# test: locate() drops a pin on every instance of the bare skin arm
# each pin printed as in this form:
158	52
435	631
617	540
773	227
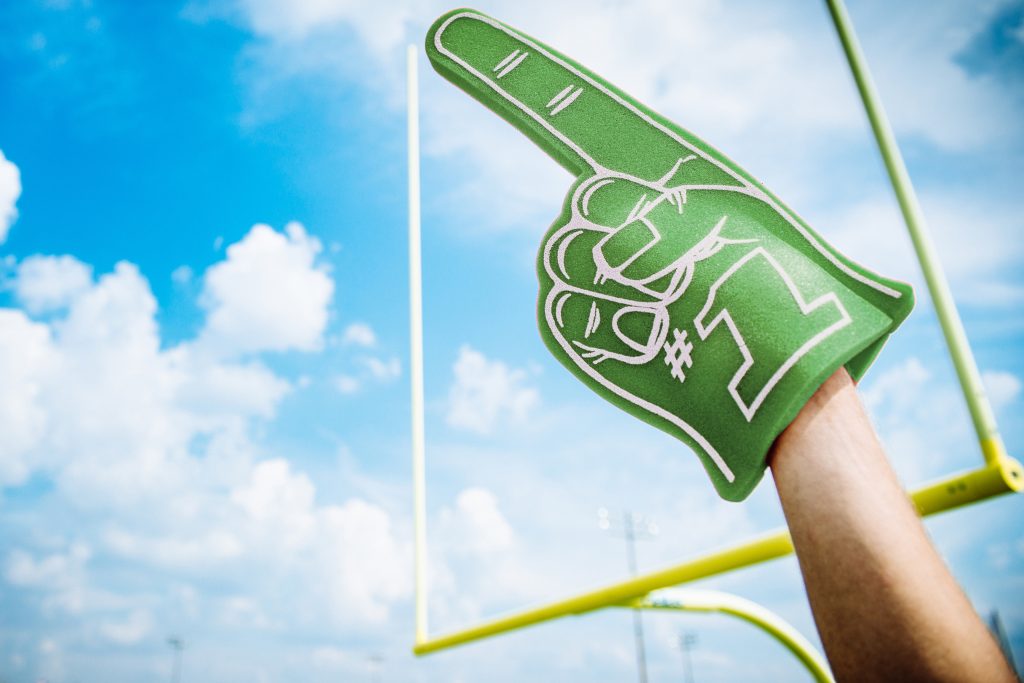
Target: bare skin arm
885	605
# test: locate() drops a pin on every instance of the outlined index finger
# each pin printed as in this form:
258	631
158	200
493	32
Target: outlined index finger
584	123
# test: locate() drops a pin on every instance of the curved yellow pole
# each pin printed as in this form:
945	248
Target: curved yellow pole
751	612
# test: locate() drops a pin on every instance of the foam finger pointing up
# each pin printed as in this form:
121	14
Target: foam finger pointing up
584	123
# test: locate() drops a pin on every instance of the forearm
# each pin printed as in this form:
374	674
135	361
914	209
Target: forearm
884	603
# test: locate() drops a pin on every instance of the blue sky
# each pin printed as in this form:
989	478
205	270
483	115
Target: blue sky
203	329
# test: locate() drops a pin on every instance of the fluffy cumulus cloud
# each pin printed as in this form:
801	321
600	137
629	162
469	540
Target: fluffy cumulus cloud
487	392
268	295
351	550
364	565
158	447
478	561
359	334
46	283
478	523
58	579
10	190
26	364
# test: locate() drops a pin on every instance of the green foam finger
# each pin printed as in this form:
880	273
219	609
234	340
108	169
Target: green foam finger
583	122
673	284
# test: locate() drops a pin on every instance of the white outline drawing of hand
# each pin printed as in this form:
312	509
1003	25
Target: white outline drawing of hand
651	251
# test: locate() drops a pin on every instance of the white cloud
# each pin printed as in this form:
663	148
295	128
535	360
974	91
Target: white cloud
1003	387
49	572
110	401
268	295
276	496
46	283
921	419
26	362
898	388
60	577
479	562
157	447
371	370
478	524
351	549
379	26
129	630
486	392
92	397
383	370
872	233
346	385
366	566
198	550
182	275
10	190
359	334
218	389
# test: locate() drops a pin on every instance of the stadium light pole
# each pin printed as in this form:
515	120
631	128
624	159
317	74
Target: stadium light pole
632	527
685	643
375	661
177	645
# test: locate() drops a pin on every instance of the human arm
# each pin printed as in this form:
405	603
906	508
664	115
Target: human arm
886	606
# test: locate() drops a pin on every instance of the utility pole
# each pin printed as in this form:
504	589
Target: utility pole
633	527
177	644
685	643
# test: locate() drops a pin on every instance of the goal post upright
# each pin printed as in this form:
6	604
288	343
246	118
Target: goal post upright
978	405
416	348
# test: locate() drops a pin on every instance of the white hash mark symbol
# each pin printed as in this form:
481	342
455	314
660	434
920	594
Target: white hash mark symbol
677	354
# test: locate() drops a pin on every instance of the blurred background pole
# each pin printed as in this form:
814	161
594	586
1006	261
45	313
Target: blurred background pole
177	645
633	526
638	624
375	662
685	644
